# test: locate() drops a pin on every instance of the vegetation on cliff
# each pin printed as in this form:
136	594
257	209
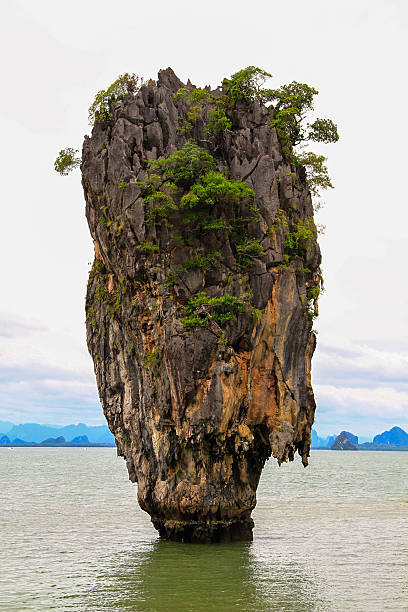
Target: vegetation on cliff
66	161
189	185
292	103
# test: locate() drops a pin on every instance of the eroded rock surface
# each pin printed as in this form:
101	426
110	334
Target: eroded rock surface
197	412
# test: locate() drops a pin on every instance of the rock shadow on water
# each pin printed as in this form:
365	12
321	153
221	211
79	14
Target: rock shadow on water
172	577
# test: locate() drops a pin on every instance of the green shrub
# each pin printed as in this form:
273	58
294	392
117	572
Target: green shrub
185	128
223	340
203	262
251	248
215	225
248	250
181	94
323	130
194	320
66	161
151	358
196	100
256	315
214	188
218	122
150	185
200	95
313	293
148	247
171	281
202	309
119	227
185	166
279	224
246	85
317	175
292	103
162	206
187	182
298	241
100	109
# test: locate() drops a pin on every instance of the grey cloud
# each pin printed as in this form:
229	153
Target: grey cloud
10	327
360	387
37	372
337	350
360	366
63	412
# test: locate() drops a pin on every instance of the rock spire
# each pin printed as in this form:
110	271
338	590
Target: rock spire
200	301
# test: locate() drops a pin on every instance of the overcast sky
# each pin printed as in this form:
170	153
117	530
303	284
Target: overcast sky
56	56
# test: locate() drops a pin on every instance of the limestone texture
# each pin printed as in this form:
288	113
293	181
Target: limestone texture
197	411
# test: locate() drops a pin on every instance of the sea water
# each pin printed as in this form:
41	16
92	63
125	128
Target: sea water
333	536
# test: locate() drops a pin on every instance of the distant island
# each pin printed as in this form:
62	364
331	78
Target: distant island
345	441
394	439
34	434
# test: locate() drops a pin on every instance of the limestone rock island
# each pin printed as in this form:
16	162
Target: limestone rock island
200	300
345	441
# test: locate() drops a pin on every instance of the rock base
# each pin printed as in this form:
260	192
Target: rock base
205	532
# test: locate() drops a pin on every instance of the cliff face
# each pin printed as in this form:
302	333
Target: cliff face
197	408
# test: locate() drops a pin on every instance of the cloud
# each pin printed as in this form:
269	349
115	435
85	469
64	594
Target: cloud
354	364
12	326
28	373
45	376
31	347
380	402
50	401
360	387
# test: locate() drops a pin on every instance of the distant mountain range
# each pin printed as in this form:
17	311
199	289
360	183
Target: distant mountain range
34	432
100	434
395	437
318	442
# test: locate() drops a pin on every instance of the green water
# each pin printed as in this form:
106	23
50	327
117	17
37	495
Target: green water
331	537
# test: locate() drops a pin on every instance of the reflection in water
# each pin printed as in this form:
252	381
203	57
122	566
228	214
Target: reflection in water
169	576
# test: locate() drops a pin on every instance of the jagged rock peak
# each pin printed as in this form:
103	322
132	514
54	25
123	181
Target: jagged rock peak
167	78
199	302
